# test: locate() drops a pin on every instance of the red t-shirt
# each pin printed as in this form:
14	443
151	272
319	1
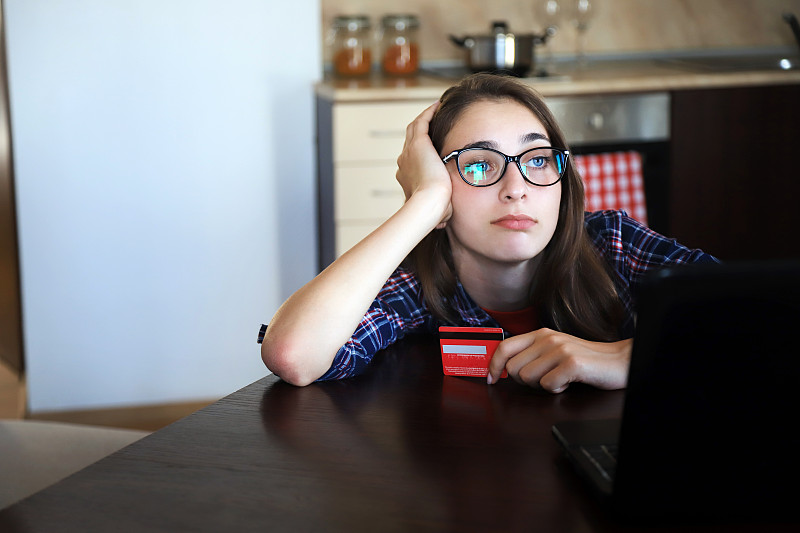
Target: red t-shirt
516	322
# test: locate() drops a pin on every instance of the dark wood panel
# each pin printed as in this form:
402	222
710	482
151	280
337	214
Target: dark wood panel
735	182
11	346
326	224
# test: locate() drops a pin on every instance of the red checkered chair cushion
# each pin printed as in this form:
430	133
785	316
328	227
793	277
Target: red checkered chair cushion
614	181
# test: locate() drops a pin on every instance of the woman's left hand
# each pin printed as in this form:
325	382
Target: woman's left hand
552	360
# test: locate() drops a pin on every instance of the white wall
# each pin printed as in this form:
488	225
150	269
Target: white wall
165	190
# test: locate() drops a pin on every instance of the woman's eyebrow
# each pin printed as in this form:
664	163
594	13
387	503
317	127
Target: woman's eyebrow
482	144
530	137
524	139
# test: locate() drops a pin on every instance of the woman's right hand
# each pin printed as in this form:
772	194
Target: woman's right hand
420	168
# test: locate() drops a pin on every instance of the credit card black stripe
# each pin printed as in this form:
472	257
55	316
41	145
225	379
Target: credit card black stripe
471	336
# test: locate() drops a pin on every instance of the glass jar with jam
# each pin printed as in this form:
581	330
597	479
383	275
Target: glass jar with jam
399	48
352	54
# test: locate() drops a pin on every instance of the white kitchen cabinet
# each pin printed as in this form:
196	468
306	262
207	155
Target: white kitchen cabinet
359	143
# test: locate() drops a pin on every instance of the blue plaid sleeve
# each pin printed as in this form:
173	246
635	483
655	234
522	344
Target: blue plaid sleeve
632	250
396	310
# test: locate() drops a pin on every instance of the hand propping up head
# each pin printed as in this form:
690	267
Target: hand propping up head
420	169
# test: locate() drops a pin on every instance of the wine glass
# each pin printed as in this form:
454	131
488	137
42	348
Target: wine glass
550	12
583	12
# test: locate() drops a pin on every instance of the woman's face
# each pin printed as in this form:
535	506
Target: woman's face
511	221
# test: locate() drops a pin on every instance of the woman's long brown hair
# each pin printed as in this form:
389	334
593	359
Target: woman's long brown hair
573	291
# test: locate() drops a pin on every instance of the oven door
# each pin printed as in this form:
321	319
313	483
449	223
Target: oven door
628	132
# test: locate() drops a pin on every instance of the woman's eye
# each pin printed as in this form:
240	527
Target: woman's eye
477	170
477	166
538	162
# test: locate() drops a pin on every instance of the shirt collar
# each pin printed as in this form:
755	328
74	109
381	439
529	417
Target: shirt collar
471	313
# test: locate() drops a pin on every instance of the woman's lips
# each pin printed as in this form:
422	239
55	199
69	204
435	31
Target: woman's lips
515	222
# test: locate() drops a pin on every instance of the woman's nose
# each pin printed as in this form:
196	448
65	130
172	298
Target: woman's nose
513	184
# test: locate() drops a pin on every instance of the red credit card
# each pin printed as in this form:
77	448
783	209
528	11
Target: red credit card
467	351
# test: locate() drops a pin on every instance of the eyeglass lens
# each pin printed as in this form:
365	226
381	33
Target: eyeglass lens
540	166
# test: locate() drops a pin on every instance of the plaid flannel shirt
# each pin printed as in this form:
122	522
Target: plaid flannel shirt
630	248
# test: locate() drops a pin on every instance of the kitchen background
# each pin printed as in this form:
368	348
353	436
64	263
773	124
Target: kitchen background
165	170
616	27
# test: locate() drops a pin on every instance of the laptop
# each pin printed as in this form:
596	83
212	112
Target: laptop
711	416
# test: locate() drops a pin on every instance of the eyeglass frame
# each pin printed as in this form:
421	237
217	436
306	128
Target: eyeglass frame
507	159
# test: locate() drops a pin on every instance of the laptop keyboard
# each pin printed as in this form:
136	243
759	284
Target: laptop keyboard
604	458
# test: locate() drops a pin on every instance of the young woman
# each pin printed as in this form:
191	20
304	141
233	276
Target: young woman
492	233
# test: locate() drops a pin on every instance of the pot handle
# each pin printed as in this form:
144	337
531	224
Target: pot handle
549	32
466	42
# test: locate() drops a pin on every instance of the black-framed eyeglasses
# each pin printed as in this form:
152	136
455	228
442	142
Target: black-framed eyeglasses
481	167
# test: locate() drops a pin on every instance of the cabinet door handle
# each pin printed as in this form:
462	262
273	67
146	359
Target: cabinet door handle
386	134
595	120
383	193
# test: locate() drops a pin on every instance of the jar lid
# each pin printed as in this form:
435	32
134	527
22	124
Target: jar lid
351	22
401	22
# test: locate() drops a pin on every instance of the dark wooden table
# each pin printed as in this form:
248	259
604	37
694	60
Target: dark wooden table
401	448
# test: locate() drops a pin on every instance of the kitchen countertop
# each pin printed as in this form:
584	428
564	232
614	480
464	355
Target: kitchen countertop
599	77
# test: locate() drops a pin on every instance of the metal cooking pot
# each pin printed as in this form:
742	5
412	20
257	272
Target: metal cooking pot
502	51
